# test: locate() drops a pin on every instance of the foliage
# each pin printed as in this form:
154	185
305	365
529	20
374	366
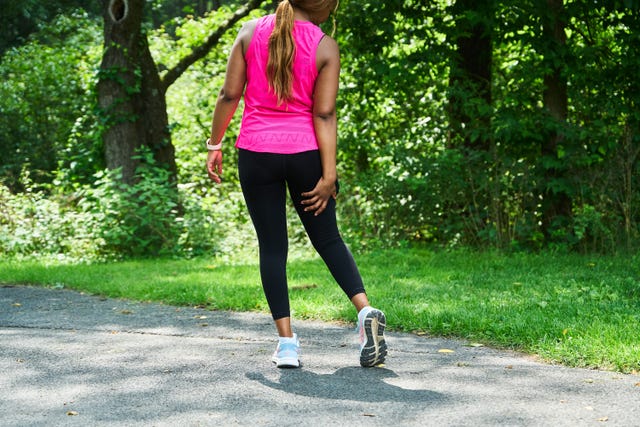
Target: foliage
391	122
108	219
36	225
133	219
405	176
432	189
21	19
46	103
170	12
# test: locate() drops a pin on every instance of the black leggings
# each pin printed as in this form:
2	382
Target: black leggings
264	178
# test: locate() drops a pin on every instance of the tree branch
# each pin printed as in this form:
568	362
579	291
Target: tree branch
201	51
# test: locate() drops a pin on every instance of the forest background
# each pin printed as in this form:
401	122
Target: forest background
485	124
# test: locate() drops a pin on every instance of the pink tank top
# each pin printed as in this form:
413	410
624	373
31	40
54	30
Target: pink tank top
286	128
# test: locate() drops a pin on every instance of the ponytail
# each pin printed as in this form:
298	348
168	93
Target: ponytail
281	53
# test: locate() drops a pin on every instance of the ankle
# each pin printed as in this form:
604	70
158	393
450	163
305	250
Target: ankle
291	339
364	311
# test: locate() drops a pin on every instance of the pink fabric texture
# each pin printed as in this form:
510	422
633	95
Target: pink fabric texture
286	128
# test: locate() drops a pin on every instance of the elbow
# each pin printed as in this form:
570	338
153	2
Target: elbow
325	115
229	96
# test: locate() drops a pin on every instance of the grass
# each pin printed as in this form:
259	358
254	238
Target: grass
571	309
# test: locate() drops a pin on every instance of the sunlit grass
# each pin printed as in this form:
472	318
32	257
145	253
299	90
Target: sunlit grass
571	309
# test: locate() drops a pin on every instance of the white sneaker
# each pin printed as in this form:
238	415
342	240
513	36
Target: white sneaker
373	347
287	354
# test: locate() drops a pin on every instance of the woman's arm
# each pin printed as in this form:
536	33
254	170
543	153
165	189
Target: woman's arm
229	97
325	124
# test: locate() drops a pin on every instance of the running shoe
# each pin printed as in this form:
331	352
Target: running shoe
287	354
373	348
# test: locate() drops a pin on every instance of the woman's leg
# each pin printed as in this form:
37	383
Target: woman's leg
303	172
264	190
360	301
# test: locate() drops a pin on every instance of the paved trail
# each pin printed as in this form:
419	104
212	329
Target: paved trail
68	359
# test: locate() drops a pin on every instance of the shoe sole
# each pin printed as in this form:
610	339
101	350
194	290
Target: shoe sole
286	362
374	350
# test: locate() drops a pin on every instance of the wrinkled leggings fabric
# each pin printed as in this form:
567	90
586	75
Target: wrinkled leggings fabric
264	178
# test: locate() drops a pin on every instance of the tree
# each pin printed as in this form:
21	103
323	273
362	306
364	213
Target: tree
131	92
470	75
557	201
470	107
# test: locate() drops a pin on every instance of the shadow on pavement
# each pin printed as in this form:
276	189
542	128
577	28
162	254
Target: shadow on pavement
350	383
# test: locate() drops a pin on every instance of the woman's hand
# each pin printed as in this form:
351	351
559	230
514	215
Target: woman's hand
316	200
214	165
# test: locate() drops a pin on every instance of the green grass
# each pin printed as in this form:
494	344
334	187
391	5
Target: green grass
571	309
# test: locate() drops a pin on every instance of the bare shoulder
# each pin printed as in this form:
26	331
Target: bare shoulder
328	52
328	46
246	33
249	26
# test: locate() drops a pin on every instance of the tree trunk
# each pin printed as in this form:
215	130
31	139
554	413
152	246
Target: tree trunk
469	111
557	203
470	75
130	94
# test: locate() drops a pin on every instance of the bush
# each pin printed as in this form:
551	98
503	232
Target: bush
33	225
133	220
109	219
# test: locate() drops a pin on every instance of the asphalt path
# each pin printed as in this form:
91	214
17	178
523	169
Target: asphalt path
69	359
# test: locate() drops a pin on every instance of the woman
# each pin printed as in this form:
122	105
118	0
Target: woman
288	139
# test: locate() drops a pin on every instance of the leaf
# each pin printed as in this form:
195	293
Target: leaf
16	304
603	419
446	350
72	413
475	344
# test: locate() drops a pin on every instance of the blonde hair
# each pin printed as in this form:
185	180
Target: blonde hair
282	47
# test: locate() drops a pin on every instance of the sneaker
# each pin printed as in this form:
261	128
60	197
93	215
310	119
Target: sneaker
287	352
373	348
